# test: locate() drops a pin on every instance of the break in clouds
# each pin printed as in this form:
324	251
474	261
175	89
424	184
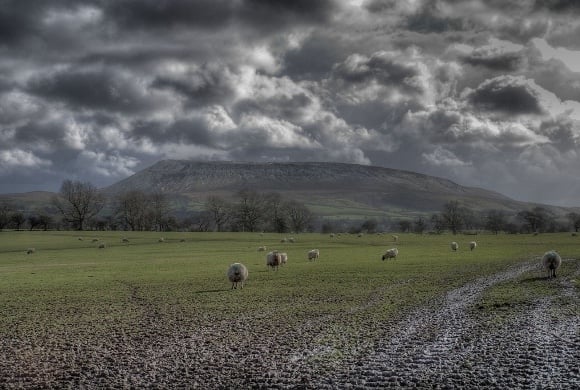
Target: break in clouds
486	93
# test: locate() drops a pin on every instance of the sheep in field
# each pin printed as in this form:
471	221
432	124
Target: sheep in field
472	245
395	237
262	249
391	254
102	245
273	259
454	246
291	240
30	251
283	258
313	254
162	239
124	239
237	273
551	261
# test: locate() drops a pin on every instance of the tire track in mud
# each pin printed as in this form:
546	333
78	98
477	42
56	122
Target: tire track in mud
444	345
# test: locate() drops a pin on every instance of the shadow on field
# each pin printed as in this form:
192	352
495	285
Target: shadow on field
211	291
534	279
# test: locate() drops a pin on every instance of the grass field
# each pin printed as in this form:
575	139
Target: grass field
71	293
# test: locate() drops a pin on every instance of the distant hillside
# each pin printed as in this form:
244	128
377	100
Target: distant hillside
331	189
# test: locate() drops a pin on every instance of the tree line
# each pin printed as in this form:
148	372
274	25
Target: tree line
80	206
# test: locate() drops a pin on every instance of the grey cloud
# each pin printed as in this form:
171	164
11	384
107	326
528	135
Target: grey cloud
558	5
506	94
503	62
99	88
429	19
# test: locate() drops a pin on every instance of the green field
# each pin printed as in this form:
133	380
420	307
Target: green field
70	293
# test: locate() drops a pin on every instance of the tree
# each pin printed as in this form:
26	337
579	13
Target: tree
17	219
438	223
495	221
78	201
132	207
536	219
45	221
159	208
370	225
274	216
4	215
249	210
419	225
299	216
219	210
404	225
452	216
574	219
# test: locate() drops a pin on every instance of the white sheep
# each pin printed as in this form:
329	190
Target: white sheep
30	251
313	254
162	239
472	245
283	258
360	235
273	259
331	235
237	273
454	246
292	240
552	262
262	249
391	254
283	240
395	237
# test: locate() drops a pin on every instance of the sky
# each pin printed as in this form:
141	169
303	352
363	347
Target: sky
485	93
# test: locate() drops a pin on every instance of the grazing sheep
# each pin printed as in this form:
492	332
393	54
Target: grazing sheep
551	261
102	245
283	258
360	235
391	254
273	259
291	239
30	251
472	245
331	235
454	246
313	254
95	240
80	238
162	239
237	273
124	239
262	249
395	237
283	240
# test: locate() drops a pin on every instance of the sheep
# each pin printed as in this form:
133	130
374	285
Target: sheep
80	238
291	239
30	251
102	245
551	261
391	254
237	273
162	239
313	254
395	237
182	240
95	240
283	258
124	239
273	259
454	246
262	249
360	235
283	240
472	245
331	235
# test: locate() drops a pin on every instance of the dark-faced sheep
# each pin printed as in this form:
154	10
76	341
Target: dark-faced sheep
472	245
391	254
454	246
273	259
237	273
551	261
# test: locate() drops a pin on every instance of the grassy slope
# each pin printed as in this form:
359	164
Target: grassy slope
72	289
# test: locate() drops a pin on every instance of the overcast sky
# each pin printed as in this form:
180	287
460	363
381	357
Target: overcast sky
485	93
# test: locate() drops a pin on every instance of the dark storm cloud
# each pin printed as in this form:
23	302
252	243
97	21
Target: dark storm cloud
504	62
100	88
428	19
506	94
558	5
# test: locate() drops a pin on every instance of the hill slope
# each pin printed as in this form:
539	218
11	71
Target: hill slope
332	189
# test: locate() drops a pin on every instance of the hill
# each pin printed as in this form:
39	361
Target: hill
330	189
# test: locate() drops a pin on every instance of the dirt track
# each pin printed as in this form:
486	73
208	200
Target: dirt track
445	344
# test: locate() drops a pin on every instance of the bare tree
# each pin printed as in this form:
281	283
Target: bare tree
78	201
132	207
453	216
419	225
159	210
298	214
574	219
495	221
536	219
220	211
249	210
4	215
17	219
